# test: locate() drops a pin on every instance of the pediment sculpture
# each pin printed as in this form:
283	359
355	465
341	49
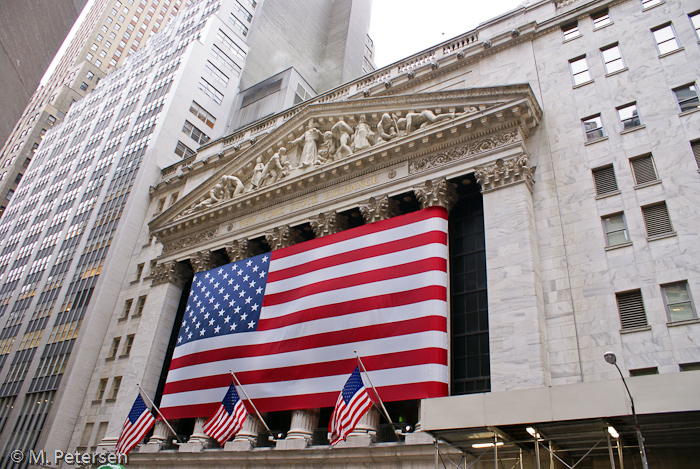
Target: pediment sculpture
320	145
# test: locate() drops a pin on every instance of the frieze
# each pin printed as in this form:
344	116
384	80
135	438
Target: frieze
189	241
460	153
503	173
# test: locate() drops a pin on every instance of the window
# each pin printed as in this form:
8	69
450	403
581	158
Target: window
193	132
109	20
18	178
51	120
695	20
217	74
9	195
173	198
238	24
89	56
100	38
140	305
112	35
679	306
115	348
202	114
650	3
631	309
601	18
139	271
643	169
89	75
93	46
127	309
161	205
183	150
612	58
665	38
657	221
652	370
101	389
83	86
615	230
593	128
115	387
605	182
692	366
695	146
629	117
570	31
127	346
579	70
104	28
687	97
103	53
113	11
210	91
98	63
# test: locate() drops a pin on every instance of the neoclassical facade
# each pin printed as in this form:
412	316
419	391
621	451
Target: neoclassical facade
563	243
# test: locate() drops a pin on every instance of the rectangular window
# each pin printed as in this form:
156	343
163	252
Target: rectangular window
665	38
210	91
243	12
217	74
161	205
631	309
89	57
615	230
183	150
687	97
194	133
652	370
89	75
593	128
231	47
83	86
101	389
679	306
695	146
139	271
601	18
605	182
238	24
18	178
225	61
116	383
579	70
127	346
570	31
115	347
93	46
612	58
202	114
643	169
127	309
650	3
695	21
629	116
140	305
657	220
173	198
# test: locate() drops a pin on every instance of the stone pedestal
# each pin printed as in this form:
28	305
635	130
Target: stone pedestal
301	429
198	435
160	438
249	432
367	425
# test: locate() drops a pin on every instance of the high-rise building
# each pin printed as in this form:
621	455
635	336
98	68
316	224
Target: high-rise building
562	141
71	228
110	30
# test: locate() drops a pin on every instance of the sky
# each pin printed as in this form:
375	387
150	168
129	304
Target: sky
400	28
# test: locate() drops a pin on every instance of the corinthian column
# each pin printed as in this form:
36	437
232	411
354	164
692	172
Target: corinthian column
437	193
328	223
379	208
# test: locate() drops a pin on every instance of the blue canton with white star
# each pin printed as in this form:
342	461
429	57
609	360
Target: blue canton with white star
137	409
225	300
353	384
230	399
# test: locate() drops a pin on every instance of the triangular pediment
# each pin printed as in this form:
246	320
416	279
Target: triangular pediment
326	140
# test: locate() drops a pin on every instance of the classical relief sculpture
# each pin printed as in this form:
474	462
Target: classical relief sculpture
342	133
363	136
310	141
386	129
257	173
225	189
275	169
327	148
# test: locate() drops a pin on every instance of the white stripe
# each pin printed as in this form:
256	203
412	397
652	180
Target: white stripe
320	326
380	378
358	267
360	242
383	346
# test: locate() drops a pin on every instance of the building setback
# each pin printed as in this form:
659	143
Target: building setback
563	139
75	217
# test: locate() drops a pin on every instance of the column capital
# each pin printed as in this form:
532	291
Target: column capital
379	208
202	261
502	173
240	249
170	272
437	193
282	237
328	223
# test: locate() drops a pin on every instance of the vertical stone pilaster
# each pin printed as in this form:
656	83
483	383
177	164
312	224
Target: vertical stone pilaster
436	193
379	208
517	331
328	223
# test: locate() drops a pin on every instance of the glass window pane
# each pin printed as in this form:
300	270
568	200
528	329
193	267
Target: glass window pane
663	34
614	223
676	293
627	112
611	54
680	312
617	237
579	66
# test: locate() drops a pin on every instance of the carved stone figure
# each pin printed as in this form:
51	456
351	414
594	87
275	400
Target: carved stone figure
275	169
216	195
232	186
310	141
257	173
386	129
327	148
363	136
342	133
416	120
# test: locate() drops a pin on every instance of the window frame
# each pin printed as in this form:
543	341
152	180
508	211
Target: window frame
607	232
674	38
668	305
574	74
696	27
695	99
604	15
635	115
571	32
635	170
663	234
606	62
601	128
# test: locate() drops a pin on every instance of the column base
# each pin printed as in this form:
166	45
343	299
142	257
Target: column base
191	447
355	441
239	445
419	438
293	443
150	448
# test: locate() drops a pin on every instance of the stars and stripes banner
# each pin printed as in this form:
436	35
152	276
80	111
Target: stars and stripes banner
136	425
228	419
288	322
352	404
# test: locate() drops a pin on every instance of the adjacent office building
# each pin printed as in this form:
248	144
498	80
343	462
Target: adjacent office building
75	216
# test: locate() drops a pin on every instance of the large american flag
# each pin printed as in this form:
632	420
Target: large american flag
136	425
288	322
352	404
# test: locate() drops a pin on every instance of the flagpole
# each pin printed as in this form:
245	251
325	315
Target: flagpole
158	410
373	388
251	403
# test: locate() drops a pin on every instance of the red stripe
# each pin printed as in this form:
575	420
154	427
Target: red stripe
359	334
313	370
401	220
402	392
367	252
360	278
389	300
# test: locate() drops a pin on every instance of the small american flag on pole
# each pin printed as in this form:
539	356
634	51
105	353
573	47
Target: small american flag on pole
137	424
352	404
228	419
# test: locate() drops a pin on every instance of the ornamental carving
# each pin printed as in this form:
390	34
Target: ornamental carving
170	272
189	241
282	237
504	173
460	153
328	223
379	208
241	249
202	261
437	193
